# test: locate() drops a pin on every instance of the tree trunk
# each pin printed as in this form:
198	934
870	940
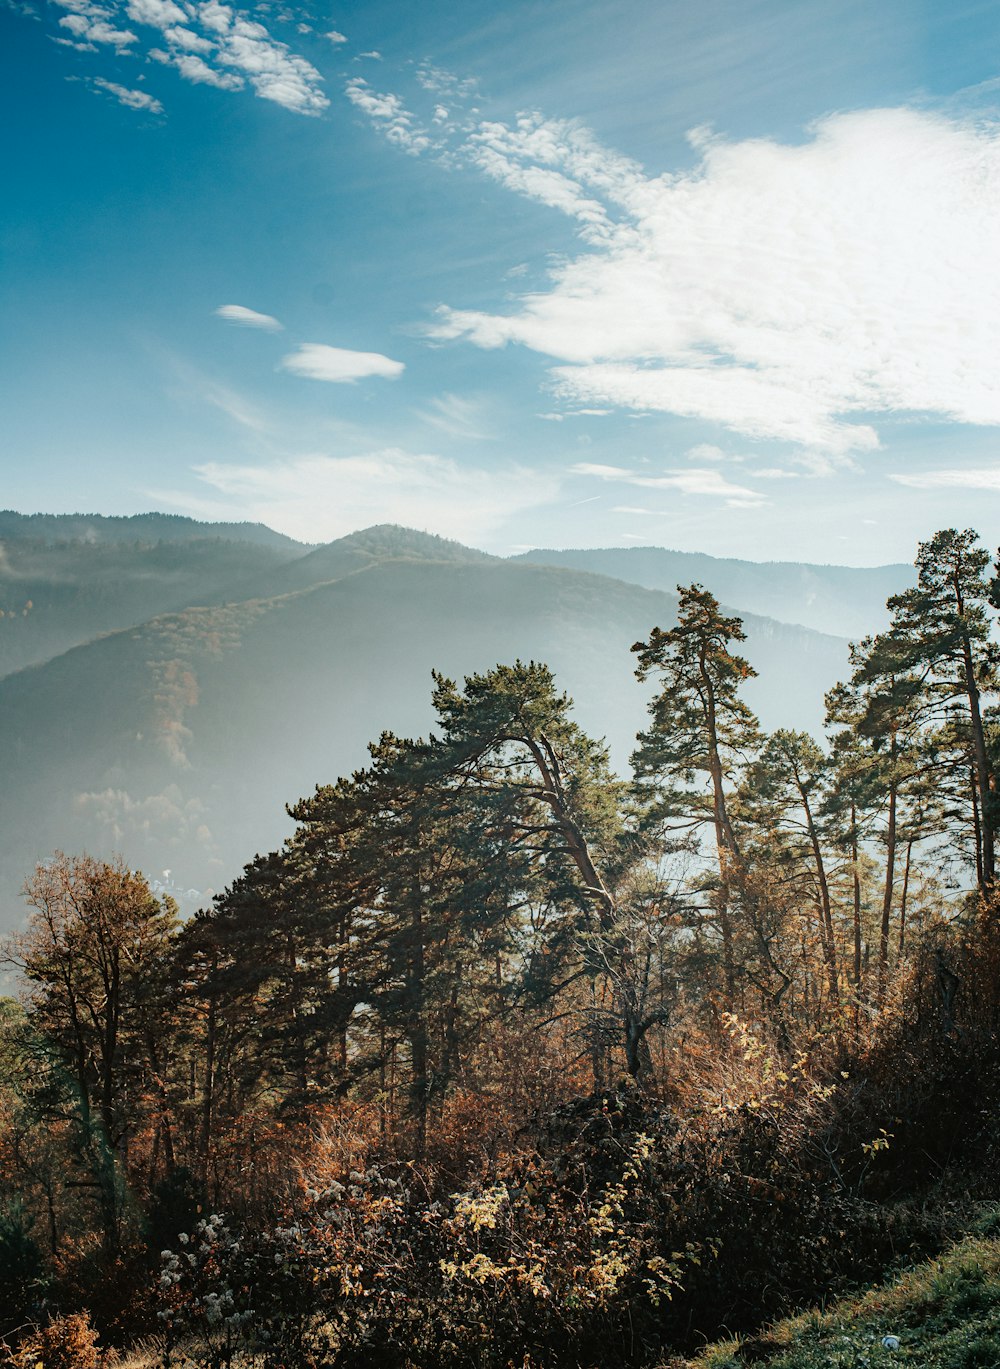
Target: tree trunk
856	881
890	869
980	757
902	904
827	936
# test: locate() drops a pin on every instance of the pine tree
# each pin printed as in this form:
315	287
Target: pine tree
701	731
941	634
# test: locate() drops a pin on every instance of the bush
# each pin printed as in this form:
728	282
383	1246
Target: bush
66	1343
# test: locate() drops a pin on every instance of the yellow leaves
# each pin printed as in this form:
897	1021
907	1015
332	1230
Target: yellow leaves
881	1142
482	1211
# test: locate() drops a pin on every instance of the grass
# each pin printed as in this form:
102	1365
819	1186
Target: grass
945	1313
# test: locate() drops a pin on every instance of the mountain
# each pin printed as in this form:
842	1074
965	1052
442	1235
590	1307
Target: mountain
178	741
843	600
360	551
66	580
138	527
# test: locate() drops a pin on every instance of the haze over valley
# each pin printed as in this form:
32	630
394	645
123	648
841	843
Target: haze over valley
168	685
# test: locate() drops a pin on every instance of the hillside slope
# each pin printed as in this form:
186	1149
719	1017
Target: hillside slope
179	742
942	1314
68	578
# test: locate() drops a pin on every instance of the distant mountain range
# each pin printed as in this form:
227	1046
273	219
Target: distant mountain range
169	686
842	600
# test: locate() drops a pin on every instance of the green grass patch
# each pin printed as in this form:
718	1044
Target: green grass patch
945	1313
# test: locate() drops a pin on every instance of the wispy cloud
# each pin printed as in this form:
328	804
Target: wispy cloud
248	318
320	497
458	416
390	115
697	481
785	292
132	99
983	479
316	361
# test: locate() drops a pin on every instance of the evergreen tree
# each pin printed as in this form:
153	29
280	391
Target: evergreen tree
940	633
701	731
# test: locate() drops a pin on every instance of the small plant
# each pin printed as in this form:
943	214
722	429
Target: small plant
68	1342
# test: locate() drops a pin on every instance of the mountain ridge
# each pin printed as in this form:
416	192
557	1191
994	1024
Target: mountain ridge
180	740
845	601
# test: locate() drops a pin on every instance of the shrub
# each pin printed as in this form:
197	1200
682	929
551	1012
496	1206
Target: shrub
68	1342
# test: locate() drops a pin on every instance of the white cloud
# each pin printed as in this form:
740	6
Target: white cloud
442	82
192	68
248	318
705	482
188	41
158	13
390	115
208	43
93	24
319	362
335	37
132	99
273	70
985	479
706	451
317	498
215	16
784	292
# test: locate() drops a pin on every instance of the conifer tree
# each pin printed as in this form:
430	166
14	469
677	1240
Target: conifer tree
701	730
509	730
789	778
940	633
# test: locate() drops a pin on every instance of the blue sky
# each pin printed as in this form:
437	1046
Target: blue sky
722	277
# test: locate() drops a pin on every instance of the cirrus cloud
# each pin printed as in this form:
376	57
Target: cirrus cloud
131	99
987	478
697	481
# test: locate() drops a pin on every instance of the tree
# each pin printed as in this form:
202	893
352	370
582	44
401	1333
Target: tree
941	634
789	779
96	942
509	732
700	728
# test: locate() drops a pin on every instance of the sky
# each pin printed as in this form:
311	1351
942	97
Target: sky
720	277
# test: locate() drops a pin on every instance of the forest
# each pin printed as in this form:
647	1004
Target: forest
504	1060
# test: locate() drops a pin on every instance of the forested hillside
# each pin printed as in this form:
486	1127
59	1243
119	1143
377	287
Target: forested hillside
178	740
504	1058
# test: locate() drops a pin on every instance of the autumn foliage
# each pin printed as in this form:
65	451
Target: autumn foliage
502	1061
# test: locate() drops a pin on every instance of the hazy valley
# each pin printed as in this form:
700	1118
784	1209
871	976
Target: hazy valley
168	685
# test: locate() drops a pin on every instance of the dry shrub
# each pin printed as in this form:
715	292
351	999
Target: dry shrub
68	1342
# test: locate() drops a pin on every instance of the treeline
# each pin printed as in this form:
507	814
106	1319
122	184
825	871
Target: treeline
529	1058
